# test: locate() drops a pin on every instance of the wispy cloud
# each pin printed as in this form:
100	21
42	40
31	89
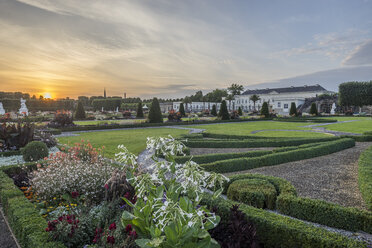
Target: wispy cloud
361	55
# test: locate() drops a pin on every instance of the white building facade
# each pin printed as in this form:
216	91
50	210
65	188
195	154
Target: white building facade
196	106
279	99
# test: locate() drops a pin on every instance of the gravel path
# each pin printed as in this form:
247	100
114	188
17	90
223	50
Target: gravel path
201	151
332	177
6	237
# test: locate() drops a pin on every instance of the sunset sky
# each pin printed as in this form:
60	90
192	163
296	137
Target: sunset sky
171	48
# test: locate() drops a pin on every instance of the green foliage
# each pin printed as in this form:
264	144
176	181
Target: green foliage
359	138
254	142
355	93
139	110
325	213
313	109
215	96
107	104
35	151
155	115
254	192
240	164
182	110
214	110
293	109
365	176
15	136
209	158
224	113
240	112
265	109
80	112
276	230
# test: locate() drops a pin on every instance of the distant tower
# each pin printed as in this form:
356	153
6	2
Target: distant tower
104	92
125	95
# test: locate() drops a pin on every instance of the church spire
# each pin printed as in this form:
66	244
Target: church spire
104	92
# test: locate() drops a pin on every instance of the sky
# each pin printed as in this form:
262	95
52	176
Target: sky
170	48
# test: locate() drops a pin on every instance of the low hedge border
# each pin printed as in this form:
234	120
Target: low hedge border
26	223
240	164
146	124
365	176
325	213
368	133
10	153
359	138
299	119
254	143
275	230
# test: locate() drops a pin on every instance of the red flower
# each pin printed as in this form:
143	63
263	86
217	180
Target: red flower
133	234
127	195
110	239
74	194
106	186
112	226
128	228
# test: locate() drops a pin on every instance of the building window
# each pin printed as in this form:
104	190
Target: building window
279	104
286	105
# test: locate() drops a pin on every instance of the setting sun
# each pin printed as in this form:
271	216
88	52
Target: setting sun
47	95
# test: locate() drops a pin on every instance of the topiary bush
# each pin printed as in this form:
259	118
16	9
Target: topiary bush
224	113
313	109
35	151
155	115
255	192
265	110
214	110
80	112
293	109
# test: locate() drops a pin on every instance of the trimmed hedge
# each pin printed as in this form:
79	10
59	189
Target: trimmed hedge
258	193
254	143
146	124
368	133
359	138
275	230
240	164
365	176
325	213
27	224
10	153
302	119
209	158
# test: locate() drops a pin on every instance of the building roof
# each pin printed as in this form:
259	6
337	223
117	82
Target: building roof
292	89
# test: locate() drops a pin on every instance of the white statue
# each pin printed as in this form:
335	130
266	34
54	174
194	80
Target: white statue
2	110
333	108
23	109
117	109
102	109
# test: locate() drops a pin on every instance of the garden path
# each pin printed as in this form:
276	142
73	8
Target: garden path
7	239
332	177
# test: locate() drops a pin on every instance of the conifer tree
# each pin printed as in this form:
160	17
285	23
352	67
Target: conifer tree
139	110
80	112
265	110
240	112
224	114
214	110
293	110
182	110
155	115
313	109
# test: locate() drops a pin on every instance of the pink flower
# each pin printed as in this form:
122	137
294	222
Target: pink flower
74	194
128	228
106	186
110	239
133	234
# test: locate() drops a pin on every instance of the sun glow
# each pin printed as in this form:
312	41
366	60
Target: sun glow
47	95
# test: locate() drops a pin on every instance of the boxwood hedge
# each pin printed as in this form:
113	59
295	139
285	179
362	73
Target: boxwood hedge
275	230
240	164
365	176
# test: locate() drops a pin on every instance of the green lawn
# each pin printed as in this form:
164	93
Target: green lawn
134	140
363	124
129	121
291	134
247	127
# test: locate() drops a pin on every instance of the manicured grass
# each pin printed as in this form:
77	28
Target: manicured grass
363	124
245	128
134	140
290	134
129	121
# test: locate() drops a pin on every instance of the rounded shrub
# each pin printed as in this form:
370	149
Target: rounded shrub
35	151
255	192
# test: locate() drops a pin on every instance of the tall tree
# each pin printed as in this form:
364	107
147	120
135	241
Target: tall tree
293	109
235	89
224	114
155	115
313	109
265	110
182	110
80	112
139	110
254	98
215	96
